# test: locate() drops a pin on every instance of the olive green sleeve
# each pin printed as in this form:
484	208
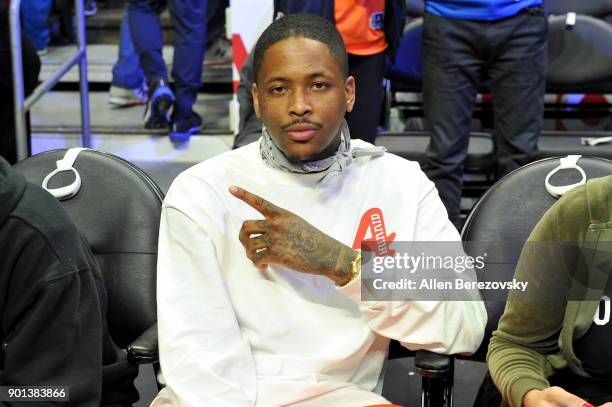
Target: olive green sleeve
529	329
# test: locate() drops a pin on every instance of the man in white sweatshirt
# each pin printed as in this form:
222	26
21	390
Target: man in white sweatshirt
259	295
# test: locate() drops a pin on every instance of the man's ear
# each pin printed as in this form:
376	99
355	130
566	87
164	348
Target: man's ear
254	93
349	90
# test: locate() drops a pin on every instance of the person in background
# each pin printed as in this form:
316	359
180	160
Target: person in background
34	14
53	303
554	347
167	108
371	30
462	41
129	87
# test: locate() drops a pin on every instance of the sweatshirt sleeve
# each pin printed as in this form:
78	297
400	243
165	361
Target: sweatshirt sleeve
205	359
53	327
529	330
446	327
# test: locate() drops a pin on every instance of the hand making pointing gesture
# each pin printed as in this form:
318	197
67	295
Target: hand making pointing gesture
285	239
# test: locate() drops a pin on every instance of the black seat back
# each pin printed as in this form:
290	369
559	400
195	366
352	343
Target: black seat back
505	216
596	8
579	59
559	143
117	209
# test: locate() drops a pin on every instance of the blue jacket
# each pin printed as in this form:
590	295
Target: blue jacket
395	13
484	10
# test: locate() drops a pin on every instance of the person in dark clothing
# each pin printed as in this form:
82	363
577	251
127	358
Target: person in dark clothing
189	22
129	87
462	43
31	69
53	303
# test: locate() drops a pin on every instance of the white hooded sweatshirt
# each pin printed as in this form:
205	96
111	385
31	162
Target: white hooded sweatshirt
232	335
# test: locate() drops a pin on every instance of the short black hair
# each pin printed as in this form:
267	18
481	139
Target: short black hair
301	25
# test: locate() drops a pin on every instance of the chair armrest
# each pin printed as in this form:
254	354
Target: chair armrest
144	349
430	364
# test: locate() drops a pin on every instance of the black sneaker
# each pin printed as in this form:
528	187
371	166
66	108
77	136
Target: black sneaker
157	112
183	128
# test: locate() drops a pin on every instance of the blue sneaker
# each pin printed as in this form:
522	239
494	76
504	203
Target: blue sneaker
183	128
157	112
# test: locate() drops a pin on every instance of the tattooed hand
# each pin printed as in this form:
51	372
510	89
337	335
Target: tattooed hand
285	239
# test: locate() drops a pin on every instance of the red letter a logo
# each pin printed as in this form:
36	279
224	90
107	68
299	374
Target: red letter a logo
379	242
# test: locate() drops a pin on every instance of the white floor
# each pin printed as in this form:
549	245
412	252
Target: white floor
56	123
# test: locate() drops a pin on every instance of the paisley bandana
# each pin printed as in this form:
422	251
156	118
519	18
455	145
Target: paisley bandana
275	158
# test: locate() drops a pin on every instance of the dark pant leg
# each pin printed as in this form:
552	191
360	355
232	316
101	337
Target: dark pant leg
518	72
31	69
488	395
215	20
189	20
368	72
451	73
34	16
126	71
147	37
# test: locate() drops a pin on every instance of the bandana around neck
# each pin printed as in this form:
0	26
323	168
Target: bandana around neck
275	158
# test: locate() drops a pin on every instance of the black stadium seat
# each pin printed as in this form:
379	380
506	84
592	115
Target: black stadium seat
595	8
507	214
579	59
117	209
560	143
502	221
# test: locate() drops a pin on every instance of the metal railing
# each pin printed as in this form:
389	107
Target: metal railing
23	105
